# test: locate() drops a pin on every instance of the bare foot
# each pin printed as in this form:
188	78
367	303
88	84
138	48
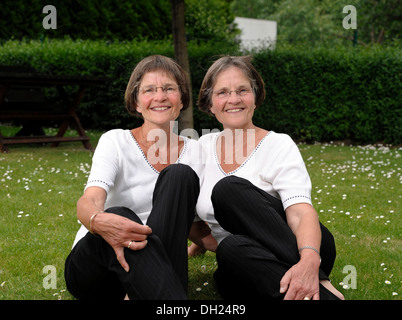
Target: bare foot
331	288
194	250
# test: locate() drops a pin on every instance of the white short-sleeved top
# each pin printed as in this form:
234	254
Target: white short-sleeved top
120	167
275	166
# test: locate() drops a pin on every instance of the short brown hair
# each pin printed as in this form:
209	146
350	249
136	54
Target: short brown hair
156	63
244	64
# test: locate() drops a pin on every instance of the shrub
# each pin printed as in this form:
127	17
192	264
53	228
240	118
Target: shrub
333	94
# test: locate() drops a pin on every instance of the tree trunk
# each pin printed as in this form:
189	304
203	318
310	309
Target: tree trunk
181	56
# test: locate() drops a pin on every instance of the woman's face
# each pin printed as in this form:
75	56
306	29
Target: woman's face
159	98
234	111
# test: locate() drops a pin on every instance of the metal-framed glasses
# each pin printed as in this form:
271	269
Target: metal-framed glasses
225	94
169	89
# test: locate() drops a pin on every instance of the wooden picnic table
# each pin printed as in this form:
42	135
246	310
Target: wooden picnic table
22	99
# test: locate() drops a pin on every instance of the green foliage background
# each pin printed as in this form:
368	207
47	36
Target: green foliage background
319	87
321	94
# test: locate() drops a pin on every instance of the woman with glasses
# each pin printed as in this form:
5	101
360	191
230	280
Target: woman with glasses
139	201
255	197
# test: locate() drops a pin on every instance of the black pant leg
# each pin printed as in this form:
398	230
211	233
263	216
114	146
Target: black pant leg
327	250
151	275
86	274
249	271
173	207
242	208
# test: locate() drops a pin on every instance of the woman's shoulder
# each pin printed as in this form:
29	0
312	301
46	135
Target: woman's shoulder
209	138
115	138
115	133
275	144
118	136
281	139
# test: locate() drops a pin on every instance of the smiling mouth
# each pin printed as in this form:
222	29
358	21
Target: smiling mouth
160	108
235	110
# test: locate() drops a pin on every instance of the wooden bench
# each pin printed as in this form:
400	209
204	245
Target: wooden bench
24	99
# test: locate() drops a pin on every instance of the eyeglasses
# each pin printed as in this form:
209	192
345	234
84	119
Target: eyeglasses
225	94
167	89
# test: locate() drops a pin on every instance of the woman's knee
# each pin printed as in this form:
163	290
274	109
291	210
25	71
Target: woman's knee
230	185
179	175
227	184
180	169
228	197
124	212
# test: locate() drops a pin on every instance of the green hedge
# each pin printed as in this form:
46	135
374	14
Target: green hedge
333	94
89	19
313	95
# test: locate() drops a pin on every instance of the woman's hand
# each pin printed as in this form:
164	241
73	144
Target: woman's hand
120	233
116	230
301	281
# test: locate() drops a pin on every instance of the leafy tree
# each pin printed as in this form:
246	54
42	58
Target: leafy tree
319	22
379	21
210	20
257	9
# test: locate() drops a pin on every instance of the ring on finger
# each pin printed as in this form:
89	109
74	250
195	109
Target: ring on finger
306	298
129	244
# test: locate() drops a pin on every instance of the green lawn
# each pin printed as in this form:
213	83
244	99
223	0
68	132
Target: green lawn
356	191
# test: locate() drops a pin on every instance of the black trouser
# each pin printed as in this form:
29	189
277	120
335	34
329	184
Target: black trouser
262	247
160	270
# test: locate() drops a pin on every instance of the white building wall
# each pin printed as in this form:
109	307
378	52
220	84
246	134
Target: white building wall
256	33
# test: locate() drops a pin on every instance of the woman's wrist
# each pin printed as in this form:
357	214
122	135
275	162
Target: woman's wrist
91	222
310	253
